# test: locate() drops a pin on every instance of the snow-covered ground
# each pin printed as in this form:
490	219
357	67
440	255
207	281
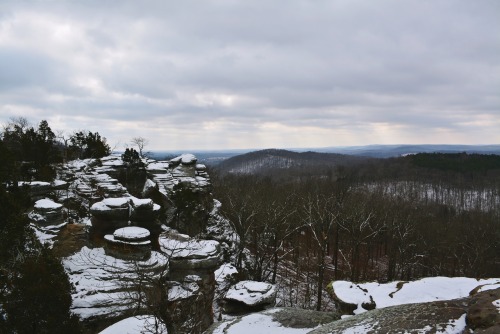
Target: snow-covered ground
135	325
421	291
261	323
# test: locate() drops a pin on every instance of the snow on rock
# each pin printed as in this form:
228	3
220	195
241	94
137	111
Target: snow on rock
250	293
110	214
121	202
111	204
47	205
131	233
47	212
142	203
46	234
189	249
185	159
277	320
37	189
135	325
149	187
113	163
99	279
190	253
358	298
201	167
159	167
496	303
224	272
59	184
180	291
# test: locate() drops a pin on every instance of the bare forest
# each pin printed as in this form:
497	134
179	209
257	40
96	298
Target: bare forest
380	220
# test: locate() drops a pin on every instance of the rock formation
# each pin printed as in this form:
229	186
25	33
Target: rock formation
276	320
129	242
47	212
476	314
125	244
249	296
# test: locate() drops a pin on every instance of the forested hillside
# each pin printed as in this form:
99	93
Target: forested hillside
383	219
274	162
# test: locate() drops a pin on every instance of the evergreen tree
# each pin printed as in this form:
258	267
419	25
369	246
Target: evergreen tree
34	289
89	145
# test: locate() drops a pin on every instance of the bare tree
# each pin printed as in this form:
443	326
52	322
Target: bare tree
141	143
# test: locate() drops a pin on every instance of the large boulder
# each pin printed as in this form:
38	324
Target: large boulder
110	214
484	311
129	243
188	255
249	296
47	212
144	213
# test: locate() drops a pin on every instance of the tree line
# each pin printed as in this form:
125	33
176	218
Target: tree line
33	150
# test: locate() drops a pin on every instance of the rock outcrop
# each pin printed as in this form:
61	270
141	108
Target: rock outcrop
129	243
110	214
249	296
192	262
355	298
119	245
276	320
47	212
476	314
483	314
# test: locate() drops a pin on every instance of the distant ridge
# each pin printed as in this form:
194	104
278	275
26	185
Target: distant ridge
275	159
214	157
388	151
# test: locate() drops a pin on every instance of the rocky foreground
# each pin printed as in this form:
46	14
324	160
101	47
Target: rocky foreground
479	313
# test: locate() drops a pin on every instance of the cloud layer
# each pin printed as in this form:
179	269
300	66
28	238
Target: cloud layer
234	74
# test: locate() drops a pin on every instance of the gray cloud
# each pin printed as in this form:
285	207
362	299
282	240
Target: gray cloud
218	74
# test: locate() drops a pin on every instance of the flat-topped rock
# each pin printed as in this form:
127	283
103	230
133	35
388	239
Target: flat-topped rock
200	167
185	159
142	204
355	298
45	205
160	167
37	189
132	233
248	296
59	185
120	202
191	254
47	212
129	242
110	214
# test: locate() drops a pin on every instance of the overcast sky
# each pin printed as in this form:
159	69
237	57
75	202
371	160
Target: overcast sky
255	74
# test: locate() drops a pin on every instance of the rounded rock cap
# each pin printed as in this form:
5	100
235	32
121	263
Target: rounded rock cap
131	233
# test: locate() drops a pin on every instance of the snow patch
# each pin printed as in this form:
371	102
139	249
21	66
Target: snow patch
47	204
135	325
421	291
